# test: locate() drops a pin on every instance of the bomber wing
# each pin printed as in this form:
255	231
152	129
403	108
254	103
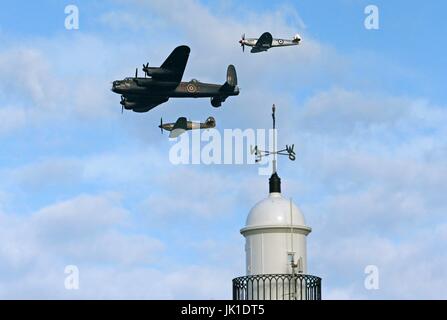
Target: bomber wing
144	105
176	63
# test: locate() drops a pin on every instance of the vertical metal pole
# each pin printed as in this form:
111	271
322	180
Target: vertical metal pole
291	227
274	138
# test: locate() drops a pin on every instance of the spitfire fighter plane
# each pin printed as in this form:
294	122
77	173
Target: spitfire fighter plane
266	42
159	84
181	125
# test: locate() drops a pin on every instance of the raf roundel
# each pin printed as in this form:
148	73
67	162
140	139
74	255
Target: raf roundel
280	41
191	88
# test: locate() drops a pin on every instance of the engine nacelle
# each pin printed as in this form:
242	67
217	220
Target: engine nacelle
216	102
128	105
160	73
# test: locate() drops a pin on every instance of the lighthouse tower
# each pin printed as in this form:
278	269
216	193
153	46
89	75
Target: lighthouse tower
275	247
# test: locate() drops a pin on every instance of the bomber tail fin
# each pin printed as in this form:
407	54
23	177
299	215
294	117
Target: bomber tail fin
231	76
231	82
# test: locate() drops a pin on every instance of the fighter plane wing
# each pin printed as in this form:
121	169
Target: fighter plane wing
176	63
176	132
181	123
265	40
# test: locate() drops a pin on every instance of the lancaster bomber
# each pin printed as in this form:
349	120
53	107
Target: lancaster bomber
142	94
266	42
182	125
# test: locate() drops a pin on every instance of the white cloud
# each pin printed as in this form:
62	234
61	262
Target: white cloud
120	167
409	267
12	118
119	20
85	228
27	90
90	232
45	173
341	111
197	194
84	215
25	71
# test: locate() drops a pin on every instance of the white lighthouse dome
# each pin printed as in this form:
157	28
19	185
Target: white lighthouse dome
275	210
275	235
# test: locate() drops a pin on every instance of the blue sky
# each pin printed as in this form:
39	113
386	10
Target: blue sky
82	184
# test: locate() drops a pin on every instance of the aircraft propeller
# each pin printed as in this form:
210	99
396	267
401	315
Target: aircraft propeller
161	125
123	100
242	42
136	73
146	69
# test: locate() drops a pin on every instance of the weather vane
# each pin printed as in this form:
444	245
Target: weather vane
288	151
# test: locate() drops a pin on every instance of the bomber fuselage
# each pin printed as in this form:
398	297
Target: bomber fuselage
156	88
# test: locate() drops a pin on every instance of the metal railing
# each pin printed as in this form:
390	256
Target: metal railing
277	287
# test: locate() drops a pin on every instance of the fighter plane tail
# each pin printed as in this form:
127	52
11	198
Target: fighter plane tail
210	122
296	38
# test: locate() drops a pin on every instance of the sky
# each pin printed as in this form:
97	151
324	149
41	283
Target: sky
82	184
